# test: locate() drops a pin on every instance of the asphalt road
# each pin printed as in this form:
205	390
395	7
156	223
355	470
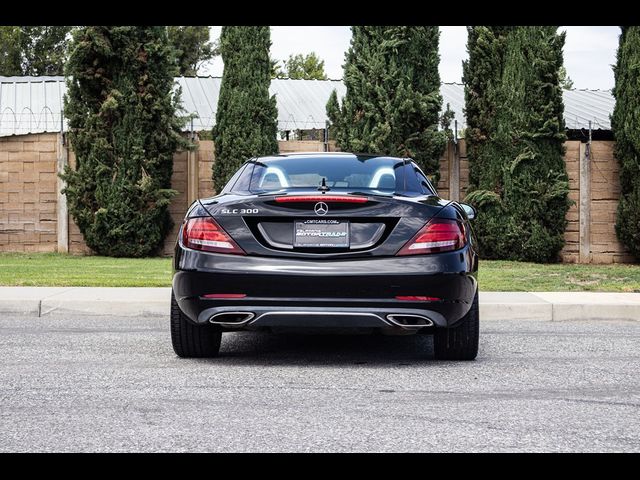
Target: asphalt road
114	384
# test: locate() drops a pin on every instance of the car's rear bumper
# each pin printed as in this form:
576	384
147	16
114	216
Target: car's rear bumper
334	293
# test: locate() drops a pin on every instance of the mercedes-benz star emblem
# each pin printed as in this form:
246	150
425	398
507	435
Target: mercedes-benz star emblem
321	208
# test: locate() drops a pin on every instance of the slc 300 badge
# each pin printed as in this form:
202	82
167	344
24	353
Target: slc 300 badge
238	211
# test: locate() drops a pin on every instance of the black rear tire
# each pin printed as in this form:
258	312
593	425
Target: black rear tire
190	340
461	341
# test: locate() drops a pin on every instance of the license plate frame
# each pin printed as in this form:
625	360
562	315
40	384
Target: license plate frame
321	233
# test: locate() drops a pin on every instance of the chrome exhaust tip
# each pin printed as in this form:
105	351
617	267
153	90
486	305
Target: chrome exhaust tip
232	319
409	320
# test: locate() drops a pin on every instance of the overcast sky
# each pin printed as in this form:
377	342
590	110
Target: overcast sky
589	52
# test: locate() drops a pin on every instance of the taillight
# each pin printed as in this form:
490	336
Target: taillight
417	298
438	235
225	295
205	234
320	198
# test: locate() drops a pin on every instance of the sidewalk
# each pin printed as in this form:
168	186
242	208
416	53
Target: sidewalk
122	301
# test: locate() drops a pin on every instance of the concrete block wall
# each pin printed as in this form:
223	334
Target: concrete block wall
180	202
28	193
571	251
605	192
454	157
76	239
205	168
464	168
28	196
443	183
300	146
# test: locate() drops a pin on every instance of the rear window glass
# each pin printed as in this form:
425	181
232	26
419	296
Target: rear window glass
349	173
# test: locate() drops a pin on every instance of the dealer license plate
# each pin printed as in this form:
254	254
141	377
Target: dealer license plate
321	233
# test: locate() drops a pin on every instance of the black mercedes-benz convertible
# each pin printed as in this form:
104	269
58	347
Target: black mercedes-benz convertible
326	241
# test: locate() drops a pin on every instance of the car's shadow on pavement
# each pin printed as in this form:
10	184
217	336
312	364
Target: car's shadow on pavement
324	349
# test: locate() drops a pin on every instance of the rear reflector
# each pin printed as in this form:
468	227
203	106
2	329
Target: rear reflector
438	235
205	234
417	298
224	295
321	198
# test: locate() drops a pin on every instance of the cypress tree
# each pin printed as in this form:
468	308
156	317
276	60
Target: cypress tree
124	132
333	114
393	96
246	120
515	141
625	122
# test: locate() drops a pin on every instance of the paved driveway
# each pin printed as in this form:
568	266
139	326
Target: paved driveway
114	384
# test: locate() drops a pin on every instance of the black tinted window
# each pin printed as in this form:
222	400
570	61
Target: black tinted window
242	185
381	174
425	184
417	182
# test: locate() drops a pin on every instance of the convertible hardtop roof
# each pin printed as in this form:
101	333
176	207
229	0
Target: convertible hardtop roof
359	156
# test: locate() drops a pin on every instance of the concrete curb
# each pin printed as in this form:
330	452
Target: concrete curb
592	305
514	306
154	302
119	301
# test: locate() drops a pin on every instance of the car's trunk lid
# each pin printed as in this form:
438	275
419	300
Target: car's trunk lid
312	224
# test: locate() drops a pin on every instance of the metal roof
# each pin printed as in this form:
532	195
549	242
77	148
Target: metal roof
301	103
31	105
453	94
582	106
34	104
